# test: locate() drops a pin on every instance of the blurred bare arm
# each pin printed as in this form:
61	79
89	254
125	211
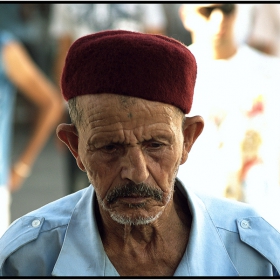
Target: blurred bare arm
35	86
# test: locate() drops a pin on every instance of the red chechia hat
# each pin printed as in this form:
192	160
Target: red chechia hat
152	67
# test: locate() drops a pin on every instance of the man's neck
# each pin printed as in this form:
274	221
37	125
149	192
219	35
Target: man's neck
149	247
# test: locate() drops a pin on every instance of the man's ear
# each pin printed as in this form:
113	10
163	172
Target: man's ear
68	134
192	128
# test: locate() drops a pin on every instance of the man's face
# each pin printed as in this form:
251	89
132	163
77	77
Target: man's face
213	22
131	150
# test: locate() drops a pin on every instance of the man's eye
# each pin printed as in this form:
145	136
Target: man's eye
155	145
109	148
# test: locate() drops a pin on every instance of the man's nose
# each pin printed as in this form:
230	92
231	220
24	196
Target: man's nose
134	165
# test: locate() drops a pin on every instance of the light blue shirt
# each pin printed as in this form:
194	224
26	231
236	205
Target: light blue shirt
7	100
227	238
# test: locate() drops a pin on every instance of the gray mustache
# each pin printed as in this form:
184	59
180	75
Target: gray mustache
131	189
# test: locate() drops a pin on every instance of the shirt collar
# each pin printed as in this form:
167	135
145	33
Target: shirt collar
82	252
206	254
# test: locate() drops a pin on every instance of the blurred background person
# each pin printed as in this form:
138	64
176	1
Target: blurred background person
70	21
17	70
237	93
265	31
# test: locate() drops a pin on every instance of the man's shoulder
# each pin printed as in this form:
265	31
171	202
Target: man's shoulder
237	217
224	212
241	229
53	217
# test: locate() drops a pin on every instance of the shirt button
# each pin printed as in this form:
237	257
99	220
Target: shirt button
245	224
36	223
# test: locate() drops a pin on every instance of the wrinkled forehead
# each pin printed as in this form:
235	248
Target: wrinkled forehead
103	101
107	104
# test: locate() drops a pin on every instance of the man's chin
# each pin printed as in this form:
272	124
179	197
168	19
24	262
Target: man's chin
134	219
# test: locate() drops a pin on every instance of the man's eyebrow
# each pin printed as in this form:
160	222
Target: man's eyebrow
93	142
160	137
111	138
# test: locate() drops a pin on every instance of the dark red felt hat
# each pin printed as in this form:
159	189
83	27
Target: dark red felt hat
152	67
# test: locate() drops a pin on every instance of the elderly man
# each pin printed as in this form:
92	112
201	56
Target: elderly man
128	94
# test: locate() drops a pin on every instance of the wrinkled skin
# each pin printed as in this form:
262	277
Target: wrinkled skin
137	142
